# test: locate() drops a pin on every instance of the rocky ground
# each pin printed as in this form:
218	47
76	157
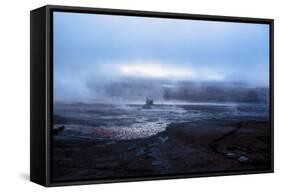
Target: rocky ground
197	147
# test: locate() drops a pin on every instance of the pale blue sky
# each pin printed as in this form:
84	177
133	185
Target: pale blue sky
104	48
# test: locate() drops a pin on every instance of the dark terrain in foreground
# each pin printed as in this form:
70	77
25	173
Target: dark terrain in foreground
195	147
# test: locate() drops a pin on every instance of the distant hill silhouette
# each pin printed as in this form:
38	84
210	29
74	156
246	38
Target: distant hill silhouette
187	91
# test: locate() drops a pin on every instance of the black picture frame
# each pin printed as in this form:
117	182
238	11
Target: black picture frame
41	94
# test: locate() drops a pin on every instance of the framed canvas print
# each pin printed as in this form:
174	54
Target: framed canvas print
122	95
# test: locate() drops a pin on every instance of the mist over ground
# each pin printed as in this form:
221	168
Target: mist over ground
137	90
102	58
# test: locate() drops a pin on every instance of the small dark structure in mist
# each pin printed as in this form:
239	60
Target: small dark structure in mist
148	103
